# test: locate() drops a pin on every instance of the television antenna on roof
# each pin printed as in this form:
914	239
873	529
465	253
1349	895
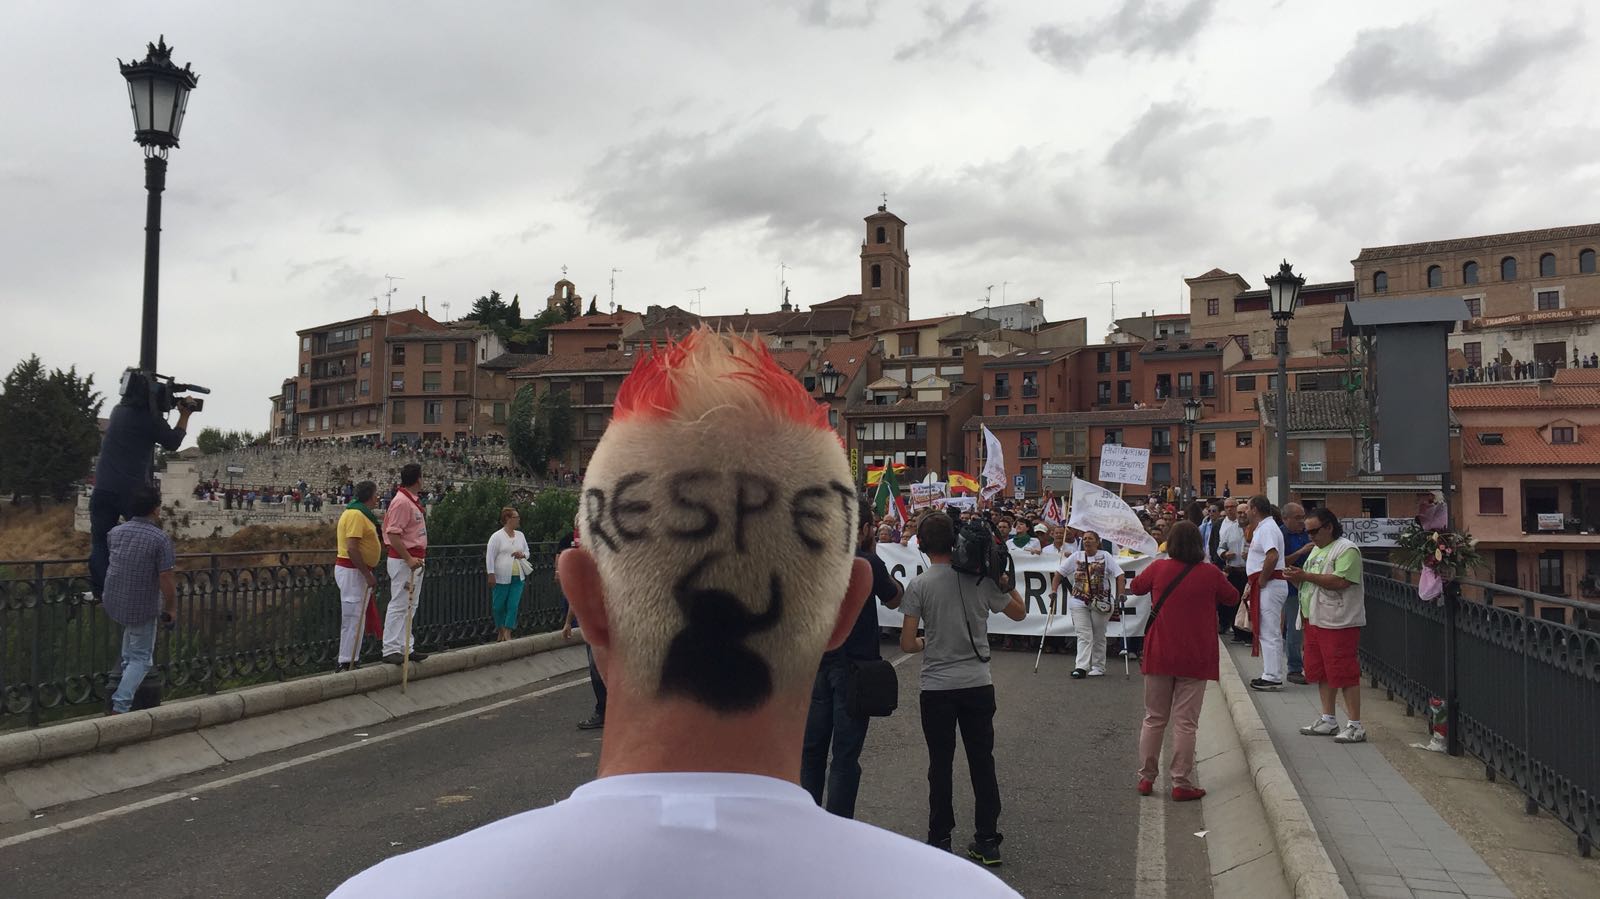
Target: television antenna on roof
614	289
1113	298
698	292
389	294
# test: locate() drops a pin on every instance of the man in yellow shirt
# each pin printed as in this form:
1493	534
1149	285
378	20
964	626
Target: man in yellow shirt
358	551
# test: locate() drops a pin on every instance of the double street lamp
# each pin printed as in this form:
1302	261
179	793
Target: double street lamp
158	91
1283	290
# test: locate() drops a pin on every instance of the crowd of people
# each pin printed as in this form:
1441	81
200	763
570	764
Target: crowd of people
296	497
1518	370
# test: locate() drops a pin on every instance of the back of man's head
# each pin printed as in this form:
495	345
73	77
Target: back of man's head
143	501
720	516
936	535
410	474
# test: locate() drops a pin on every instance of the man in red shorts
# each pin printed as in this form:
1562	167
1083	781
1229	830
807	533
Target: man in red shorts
1333	607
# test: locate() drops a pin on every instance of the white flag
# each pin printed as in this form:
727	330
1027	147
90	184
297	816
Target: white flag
994	467
1094	508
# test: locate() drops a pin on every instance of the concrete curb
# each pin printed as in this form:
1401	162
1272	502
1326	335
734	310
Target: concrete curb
73	738
1306	864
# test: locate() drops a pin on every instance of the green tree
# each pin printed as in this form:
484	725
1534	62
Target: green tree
569	308
593	309
470	514
49	430
530	337
489	310
519	429
554	419
540	429
514	312
211	441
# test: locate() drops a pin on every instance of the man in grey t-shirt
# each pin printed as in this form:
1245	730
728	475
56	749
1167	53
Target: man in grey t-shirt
957	689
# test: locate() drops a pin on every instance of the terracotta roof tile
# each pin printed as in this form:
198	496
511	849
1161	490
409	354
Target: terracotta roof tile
793	361
603	320
608	361
1577	376
1295	363
1485	242
848	357
1314	410
1526	446
1530	396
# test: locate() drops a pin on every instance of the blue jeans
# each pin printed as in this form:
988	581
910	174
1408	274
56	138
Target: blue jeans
1294	635
829	721
138	649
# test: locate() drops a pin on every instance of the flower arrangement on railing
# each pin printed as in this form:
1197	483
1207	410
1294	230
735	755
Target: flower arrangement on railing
1438	556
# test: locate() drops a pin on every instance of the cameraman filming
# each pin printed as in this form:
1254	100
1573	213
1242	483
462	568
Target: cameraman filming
127	457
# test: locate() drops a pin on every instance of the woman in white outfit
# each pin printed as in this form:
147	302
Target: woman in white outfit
1095	581
507	551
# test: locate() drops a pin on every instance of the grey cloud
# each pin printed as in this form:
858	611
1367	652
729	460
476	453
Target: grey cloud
838	13
946	31
340	225
1165	143
296	269
1416	60
1133	28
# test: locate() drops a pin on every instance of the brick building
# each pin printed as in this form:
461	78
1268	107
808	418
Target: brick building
1330	457
340	387
590	382
593	333
1222	305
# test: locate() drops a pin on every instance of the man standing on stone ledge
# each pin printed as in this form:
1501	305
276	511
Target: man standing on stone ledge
405	528
139	590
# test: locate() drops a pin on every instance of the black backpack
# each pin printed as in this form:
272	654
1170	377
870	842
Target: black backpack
977	553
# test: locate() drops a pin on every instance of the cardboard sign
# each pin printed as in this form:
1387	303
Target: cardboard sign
923	496
1124	464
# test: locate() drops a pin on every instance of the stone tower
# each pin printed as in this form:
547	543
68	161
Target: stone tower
885	270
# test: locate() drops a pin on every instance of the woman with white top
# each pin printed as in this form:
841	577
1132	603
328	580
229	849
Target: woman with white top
1094	582
507	552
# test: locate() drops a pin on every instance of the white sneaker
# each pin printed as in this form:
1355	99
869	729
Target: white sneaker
1352	733
1322	727
1097	672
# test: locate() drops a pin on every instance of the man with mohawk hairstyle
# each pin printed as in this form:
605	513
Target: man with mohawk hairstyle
717	564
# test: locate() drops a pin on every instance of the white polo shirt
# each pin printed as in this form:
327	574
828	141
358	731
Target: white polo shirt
690	835
1268	536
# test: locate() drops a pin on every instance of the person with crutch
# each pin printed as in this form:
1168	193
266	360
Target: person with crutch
406	527
1094	581
358	552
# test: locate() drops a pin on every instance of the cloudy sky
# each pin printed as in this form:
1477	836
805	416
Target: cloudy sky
475	146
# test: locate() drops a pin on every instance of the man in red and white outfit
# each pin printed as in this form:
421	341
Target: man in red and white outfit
405	529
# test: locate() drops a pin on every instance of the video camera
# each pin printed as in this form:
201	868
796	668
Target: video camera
161	391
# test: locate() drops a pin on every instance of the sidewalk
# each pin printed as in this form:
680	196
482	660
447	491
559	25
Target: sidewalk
1384	838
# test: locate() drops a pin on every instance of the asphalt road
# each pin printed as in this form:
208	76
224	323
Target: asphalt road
297	823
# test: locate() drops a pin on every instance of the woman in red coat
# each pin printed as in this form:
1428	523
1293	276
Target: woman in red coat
1180	654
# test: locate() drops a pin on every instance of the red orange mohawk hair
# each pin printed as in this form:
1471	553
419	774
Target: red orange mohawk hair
689	377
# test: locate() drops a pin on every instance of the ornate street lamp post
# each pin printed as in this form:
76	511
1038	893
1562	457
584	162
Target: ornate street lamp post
159	93
1283	291
828	379
1191	414
861	451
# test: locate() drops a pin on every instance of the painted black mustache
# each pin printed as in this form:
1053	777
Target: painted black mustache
709	660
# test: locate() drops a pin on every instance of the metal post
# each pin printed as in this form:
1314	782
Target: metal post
39	607
1283	412
155	181
1452	598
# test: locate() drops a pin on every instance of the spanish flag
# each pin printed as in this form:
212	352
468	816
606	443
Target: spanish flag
875	473
961	482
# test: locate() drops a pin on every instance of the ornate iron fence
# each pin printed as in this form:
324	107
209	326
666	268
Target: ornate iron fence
1522	692
242	618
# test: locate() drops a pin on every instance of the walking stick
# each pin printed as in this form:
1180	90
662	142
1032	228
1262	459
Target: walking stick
1045	635
405	643
1122	625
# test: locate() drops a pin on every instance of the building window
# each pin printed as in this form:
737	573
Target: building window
1208	383
1474	353
1563	435
908	344
397	355
1336	339
1002	410
1244	476
305	344
499	413
463	410
1029	446
338	420
432	353
1469	273
366	387
1208	446
1102	361
1102	392
431	381
1508	269
883	234
397	413
1245	383
594	393
877	275
1475	307
1380	282
1124	391
1113	436
1186	383
1552	578
366	360
594	423
463	352
1160	442
459	381
1244	439
397	384
1548	299
1124	360
366	331
1491	501
1213	306
1071	443
432	412
1375	506
1435	276
1547	265
833	419
1586	262
1030	409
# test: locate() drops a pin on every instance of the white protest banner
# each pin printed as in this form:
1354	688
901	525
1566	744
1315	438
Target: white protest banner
957	502
994	464
1374	531
923	496
1033	584
1124	464
1094	508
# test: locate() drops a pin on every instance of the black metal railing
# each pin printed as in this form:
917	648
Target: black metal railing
1522	692
243	618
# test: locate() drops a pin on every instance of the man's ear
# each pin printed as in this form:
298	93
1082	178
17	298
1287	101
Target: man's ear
854	596
580	581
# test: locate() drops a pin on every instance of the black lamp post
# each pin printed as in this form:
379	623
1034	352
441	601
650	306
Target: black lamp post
159	93
1191	414
1283	291
828	379
861	451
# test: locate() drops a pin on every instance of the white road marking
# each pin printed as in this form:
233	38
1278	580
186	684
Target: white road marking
210	786
1150	854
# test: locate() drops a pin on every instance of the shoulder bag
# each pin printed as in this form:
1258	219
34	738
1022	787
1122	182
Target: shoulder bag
874	689
1162	600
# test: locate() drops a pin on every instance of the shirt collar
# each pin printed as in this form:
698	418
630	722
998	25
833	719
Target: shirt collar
720	784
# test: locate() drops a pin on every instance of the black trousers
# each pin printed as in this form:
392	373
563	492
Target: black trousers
106	510
971	710
598	684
